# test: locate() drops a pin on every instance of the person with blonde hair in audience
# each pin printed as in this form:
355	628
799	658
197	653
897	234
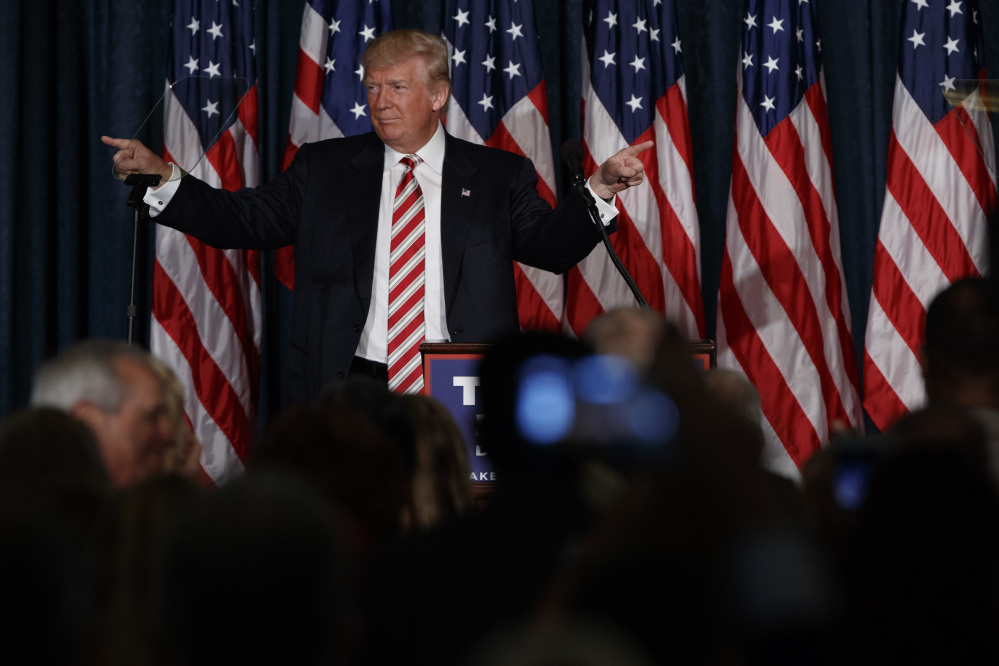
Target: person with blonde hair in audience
185	457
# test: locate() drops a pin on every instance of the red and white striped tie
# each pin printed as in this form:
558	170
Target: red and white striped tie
406	327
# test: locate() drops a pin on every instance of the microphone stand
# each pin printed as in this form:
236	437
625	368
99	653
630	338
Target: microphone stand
591	206
140	183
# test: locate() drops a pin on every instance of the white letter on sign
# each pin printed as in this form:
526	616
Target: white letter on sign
467	385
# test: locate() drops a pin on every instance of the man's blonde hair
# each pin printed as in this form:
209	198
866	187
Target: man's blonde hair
397	46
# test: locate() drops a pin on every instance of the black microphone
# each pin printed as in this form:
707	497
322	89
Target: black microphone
572	155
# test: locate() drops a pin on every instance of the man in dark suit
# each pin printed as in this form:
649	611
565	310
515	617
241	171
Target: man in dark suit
335	203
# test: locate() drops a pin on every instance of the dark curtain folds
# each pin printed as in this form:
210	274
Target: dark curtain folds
71	71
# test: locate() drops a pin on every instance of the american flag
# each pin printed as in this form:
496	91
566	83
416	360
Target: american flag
783	317
940	190
206	302
330	100
633	91
499	99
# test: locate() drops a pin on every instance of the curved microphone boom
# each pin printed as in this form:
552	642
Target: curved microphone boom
572	154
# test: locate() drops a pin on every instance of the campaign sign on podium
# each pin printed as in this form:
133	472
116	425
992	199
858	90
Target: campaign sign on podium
451	375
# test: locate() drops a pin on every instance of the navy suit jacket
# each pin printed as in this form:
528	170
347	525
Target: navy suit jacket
326	204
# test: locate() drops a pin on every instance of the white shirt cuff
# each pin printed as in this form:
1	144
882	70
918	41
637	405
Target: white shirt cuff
159	198
607	210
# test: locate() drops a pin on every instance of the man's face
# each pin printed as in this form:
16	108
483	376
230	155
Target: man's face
404	111
134	441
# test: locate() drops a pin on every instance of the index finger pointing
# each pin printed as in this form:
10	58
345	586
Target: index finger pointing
638	148
120	144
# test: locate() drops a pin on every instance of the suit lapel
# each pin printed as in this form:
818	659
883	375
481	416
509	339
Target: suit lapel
459	185
363	191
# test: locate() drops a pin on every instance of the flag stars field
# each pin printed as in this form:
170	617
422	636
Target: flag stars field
499	102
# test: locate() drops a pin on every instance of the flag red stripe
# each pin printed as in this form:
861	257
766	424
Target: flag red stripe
539	97
534	312
961	138
225	160
816	101
309	82
210	384
636	257
204	480
899	302
880	400
247	114
924	213
678	251
582	306
673	110
778	401
502	138
290	150
785	280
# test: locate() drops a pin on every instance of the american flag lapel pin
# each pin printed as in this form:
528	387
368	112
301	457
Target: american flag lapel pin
465	192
